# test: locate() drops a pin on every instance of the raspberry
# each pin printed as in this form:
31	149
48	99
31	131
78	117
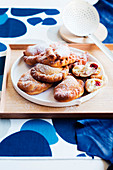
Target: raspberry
97	83
94	65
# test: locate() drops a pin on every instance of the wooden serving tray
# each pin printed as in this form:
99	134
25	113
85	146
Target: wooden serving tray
15	106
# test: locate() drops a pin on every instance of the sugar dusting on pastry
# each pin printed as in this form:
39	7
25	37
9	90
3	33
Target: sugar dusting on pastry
36	49
48	74
45	69
29	85
51	64
93	84
69	89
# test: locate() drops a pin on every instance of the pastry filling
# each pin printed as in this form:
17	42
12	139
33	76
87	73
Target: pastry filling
94	65
97	83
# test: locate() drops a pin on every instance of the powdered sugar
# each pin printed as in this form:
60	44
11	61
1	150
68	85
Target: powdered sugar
45	69
37	49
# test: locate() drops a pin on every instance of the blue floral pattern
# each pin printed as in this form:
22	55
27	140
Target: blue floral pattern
13	27
66	129
42	127
25	143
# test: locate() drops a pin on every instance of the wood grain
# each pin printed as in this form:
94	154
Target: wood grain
100	106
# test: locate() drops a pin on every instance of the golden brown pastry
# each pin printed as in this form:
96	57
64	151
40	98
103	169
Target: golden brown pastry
35	49
56	62
30	60
49	74
55	55
69	89
101	77
86	70
80	60
31	53
83	58
61	51
29	85
93	84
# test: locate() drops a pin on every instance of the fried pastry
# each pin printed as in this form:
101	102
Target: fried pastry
57	62
30	60
29	85
86	70
61	51
31	53
48	74
58	55
93	84
55	55
35	49
83	58
80	60
101	77
69	89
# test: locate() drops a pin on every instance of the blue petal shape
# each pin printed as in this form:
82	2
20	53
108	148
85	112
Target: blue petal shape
26	11
3	18
1	80
66	129
3	10
34	21
12	28
2	63
52	12
49	21
42	127
3	47
81	155
25	143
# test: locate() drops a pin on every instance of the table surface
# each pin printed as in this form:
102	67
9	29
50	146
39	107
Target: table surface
54	164
34	164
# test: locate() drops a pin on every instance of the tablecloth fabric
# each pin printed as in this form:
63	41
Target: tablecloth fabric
55	137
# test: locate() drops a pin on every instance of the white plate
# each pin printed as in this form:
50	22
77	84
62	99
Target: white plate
46	98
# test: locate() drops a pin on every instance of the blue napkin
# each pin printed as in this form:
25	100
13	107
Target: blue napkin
105	10
95	137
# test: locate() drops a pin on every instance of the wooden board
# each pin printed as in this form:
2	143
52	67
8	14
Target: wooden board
15	106
101	34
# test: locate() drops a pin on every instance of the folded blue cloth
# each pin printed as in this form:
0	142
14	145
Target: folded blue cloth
95	137
105	9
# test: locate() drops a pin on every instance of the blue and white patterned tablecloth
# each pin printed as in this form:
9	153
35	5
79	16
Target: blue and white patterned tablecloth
35	138
40	138
29	25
